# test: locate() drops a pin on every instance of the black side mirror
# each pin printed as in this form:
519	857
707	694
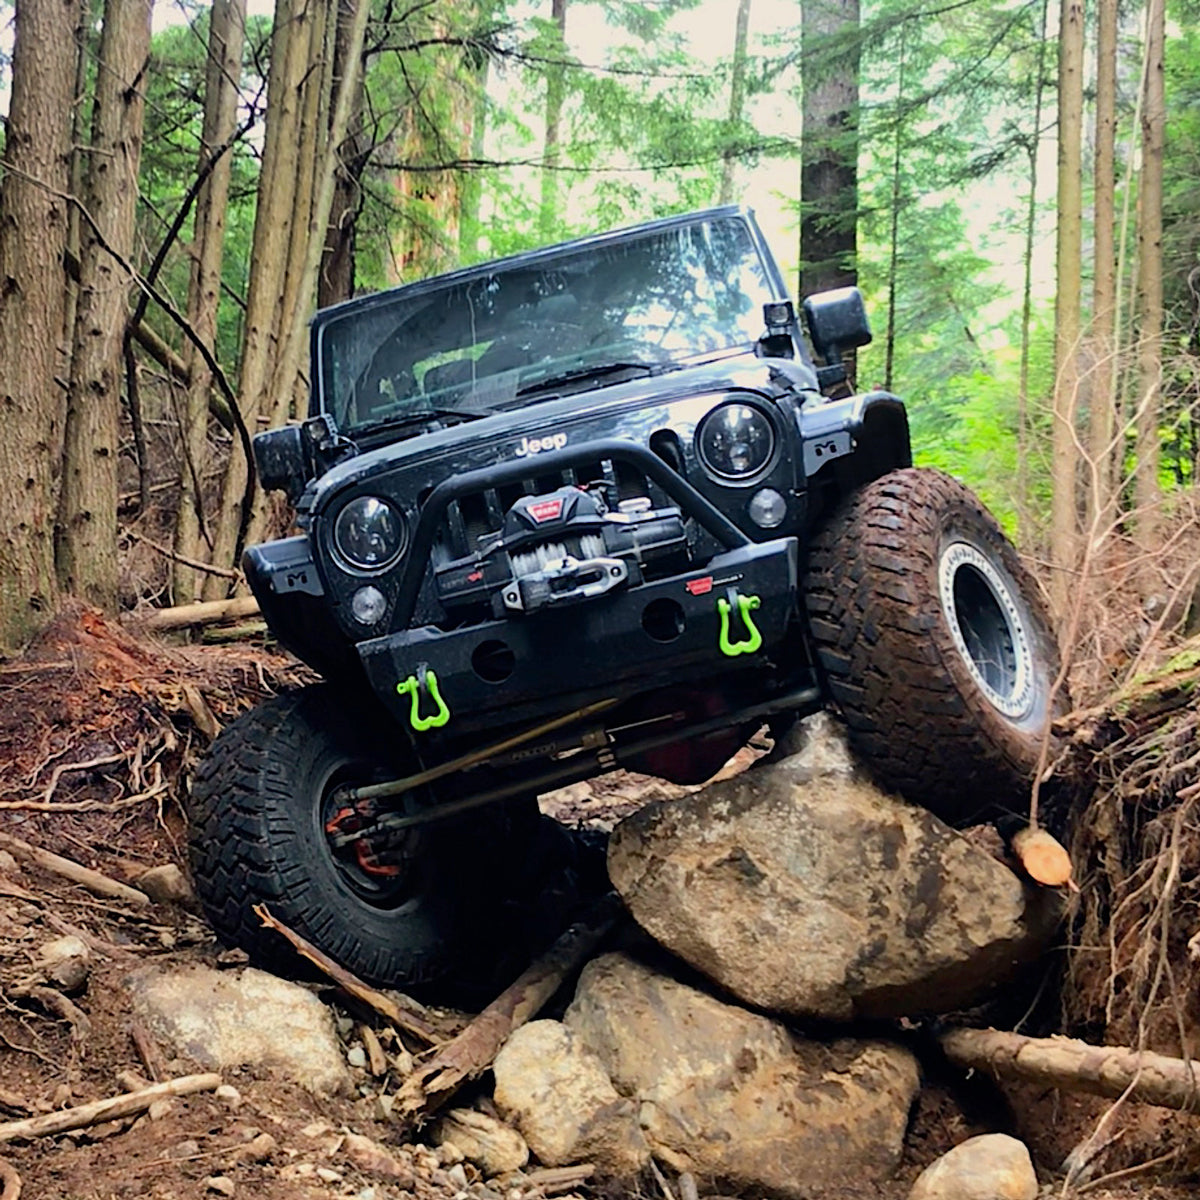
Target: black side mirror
837	321
282	460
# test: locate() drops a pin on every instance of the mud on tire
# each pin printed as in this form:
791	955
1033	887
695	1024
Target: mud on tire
934	643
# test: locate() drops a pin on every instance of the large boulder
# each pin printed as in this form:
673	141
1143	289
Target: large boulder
992	1166
803	889
734	1096
557	1093
223	1019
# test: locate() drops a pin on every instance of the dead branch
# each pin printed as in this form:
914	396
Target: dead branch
148	1051
62	769
469	1054
10	1181
55	1003
408	1016
94	881
1077	1066
97	1111
203	612
175	556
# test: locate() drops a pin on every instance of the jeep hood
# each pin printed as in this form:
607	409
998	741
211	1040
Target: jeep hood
632	409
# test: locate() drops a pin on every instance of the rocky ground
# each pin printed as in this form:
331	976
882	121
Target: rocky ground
98	730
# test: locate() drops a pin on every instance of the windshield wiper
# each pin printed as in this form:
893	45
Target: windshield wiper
425	413
582	374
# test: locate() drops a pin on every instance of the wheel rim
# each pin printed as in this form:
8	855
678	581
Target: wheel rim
380	888
985	622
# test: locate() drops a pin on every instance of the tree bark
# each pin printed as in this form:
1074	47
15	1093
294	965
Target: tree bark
1102	422
268	259
829	145
555	91
227	33
1148	493
1067	326
87	546
33	230
1077	1066
737	100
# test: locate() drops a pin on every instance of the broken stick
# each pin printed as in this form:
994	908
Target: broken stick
98	1111
1043	857
101	885
202	612
1077	1066
406	1018
469	1054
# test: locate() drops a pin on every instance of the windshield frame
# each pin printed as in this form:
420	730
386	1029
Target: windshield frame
362	308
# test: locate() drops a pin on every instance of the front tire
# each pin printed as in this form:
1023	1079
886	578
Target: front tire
934	643
259	804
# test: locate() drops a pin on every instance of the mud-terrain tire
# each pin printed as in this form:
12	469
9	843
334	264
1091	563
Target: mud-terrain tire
257	809
934	643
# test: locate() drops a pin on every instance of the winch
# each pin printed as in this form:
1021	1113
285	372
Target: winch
565	547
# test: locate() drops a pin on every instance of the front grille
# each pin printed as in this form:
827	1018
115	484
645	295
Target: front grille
475	519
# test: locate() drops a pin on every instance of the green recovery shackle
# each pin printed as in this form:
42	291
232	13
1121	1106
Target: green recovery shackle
745	606
415	685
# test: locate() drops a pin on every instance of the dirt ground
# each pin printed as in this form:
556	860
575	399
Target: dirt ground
98	729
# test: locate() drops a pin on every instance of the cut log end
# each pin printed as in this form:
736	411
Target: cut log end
1043	858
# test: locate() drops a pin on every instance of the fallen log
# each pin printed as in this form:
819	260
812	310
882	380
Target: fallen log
114	1107
1078	1066
469	1054
203	612
94	881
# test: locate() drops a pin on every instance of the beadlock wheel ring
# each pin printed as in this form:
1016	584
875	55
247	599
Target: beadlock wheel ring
985	622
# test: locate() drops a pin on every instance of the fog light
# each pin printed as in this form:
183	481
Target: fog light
368	605
767	508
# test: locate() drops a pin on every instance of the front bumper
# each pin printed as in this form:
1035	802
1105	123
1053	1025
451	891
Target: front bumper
632	640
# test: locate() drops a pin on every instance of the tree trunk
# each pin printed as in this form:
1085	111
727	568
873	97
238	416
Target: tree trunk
737	100
889	352
1067	327
336	281
555	90
1102	422
1035	141
324	151
1150	290
829	145
87	547
33	229
226	37
268	260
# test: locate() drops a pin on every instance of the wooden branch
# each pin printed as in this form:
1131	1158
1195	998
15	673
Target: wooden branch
114	1107
1077	1066
102	885
203	612
403	1017
469	1054
1043	857
194	563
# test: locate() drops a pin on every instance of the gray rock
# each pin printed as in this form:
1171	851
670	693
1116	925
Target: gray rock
65	963
166	885
224	1019
491	1145
734	1096
992	1166
559	1096
805	890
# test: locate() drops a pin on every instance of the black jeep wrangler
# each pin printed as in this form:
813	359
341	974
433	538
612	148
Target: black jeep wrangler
589	507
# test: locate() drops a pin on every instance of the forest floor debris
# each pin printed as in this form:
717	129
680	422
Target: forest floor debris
98	731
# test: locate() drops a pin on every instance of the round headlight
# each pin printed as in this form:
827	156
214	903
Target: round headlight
369	534
735	441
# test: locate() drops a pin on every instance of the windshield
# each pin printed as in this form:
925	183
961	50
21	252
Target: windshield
653	299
